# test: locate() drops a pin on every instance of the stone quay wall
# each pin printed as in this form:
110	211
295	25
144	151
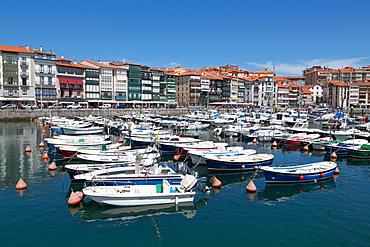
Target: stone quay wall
23	114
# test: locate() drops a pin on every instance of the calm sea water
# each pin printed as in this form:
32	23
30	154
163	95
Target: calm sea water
330	213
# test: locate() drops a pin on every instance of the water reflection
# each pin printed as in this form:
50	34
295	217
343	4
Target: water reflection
358	162
92	211
274	192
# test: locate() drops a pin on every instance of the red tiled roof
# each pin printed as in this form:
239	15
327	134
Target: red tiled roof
282	85
15	49
188	73
103	65
306	90
292	84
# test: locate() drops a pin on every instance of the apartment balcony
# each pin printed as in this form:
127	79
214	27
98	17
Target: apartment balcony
10	94
24	63
106	96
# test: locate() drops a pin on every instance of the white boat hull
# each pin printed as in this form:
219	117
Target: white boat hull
138	195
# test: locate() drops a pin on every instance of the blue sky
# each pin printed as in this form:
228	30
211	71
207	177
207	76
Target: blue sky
286	35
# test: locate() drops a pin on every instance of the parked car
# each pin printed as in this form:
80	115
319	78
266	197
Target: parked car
56	106
9	106
74	106
105	106
29	107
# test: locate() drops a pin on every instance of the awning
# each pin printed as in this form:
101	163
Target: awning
71	81
63	80
79	81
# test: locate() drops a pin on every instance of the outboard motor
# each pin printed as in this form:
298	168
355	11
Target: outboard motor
202	187
182	168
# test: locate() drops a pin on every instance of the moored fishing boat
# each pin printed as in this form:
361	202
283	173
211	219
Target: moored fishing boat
136	195
319	144
245	162
197	155
71	151
342	147
123	157
361	152
82	131
300	141
184	148
299	173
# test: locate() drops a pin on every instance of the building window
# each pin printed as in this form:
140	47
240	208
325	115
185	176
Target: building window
61	70
41	68
42	80
50	80
49	69
24	90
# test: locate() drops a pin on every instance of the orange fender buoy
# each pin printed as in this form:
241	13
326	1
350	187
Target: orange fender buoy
21	185
251	187
176	157
306	148
45	155
41	144
43	132
28	149
254	140
55	133
333	155
215	182
52	166
274	144
336	170
231	137
31	119
75	198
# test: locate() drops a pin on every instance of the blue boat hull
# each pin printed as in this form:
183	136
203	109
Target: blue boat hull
337	150
168	148
221	166
272	177
141	144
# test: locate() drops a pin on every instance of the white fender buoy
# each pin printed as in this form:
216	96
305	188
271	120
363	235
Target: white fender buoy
21	185
254	140
251	187
274	144
75	198
215	182
52	166
333	155
41	144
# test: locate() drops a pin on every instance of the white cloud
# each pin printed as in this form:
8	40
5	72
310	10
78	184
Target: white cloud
296	69
174	64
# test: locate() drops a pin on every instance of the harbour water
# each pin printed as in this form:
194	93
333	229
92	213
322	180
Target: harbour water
330	213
